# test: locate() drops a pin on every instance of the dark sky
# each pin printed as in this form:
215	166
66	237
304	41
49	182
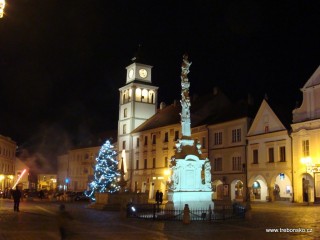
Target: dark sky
62	62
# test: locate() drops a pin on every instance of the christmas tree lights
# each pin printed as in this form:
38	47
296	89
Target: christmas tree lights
106	172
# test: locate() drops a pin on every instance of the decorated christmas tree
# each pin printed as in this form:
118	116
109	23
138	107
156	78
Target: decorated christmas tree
106	172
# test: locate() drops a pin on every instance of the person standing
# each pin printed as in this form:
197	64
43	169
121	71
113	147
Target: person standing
161	197
157	197
16	194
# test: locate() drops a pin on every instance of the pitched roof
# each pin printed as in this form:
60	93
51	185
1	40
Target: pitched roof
167	116
203	108
314	79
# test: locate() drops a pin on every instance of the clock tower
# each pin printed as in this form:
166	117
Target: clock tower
137	103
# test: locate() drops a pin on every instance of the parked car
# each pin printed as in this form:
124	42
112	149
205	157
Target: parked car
80	196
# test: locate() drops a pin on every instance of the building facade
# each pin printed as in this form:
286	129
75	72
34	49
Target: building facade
7	162
269	159
76	168
137	103
227	153
306	141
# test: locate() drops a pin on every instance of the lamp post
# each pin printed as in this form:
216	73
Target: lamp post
2	5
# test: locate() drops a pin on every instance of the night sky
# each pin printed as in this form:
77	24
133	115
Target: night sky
62	62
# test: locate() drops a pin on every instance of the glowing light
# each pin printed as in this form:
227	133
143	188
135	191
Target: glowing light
106	172
23	172
306	160
2	5
123	160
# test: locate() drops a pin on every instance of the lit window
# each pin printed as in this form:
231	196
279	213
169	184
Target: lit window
305	148
145	164
153	139
166	162
236	163
218	138
204	142
166	137
176	135
236	135
271	154
282	154
255	156
217	164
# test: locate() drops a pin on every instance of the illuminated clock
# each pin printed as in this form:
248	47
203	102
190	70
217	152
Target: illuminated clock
131	73
143	73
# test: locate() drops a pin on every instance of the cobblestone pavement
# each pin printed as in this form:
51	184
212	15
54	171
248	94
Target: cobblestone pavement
38	220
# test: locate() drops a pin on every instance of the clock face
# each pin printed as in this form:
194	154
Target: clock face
131	72
143	73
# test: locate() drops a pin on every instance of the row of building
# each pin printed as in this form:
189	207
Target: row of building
269	152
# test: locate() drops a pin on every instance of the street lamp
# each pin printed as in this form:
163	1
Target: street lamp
2	5
306	161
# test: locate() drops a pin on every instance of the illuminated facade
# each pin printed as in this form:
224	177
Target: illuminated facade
306	142
269	159
47	182
75	169
7	162
227	152
137	103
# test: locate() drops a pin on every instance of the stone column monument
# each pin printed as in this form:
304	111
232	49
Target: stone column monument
191	173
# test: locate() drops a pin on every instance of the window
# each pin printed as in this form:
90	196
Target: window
124	128
236	163
218	138
271	154
166	162
146	140
236	135
153	163
166	137
176	135
154	139
123	144
138	142
137	164
217	164
305	148
255	156
125	112
204	142
282	154
145	164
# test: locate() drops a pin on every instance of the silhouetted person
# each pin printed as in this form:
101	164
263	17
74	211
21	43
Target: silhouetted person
41	194
160	197
16	194
63	220
157	197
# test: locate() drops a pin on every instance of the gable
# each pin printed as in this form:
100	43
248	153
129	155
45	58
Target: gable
265	121
313	80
